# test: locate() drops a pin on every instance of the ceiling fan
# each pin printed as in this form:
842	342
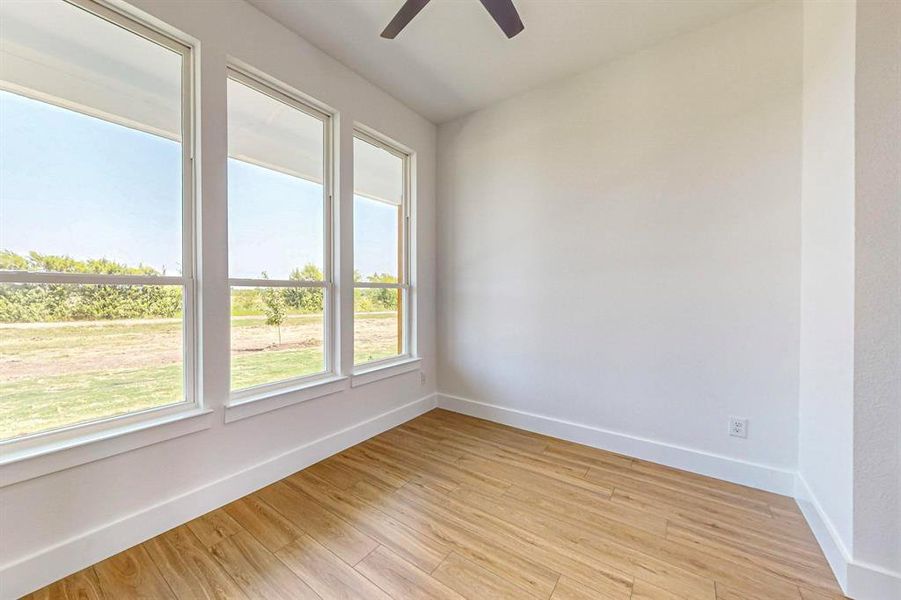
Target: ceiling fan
502	11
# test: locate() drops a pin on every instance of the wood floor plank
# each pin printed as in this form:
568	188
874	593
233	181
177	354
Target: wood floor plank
258	572
685	498
739	532
132	574
328	575
696	480
571	488
372	466
586	455
676	508
575	540
412	438
642	590
807	594
490	435
509	436
189	569
632	477
423	550
788	510
83	585
570	589
515	539
340	476
214	527
385	452
402	580
450	475
449	506
543	499
263	522
336	534
54	591
775	558
536	463
532	577
418	439
474	581
728	592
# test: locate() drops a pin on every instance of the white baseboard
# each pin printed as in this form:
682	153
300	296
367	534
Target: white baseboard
870	582
858	579
764	477
53	563
837	554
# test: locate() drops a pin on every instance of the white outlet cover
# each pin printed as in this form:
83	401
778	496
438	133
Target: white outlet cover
738	427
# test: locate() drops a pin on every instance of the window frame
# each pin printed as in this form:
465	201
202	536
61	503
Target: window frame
405	249
191	404
267	86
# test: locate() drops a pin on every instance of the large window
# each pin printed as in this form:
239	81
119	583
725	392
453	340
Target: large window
279	246
96	219
381	257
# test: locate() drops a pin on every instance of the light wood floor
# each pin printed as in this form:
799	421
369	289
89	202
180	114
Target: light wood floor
451	507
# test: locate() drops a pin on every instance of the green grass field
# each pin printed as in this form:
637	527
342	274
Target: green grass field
52	375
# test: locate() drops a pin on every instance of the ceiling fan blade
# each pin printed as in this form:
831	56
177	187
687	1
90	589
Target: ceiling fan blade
406	13
504	14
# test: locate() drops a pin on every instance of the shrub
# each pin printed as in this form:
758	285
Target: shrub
60	302
307	300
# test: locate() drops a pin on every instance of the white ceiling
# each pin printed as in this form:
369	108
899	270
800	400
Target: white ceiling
453	59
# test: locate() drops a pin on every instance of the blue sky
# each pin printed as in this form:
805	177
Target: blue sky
79	186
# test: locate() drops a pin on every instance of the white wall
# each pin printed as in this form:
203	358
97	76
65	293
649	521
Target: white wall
60	522
825	458
621	249
850	404
877	315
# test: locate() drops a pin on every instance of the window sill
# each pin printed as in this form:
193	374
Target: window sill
25	464
371	374
243	407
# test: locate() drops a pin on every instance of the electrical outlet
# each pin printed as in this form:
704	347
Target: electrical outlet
421	378
738	427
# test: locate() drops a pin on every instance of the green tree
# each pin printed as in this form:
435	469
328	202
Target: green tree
10	261
308	300
383	298
275	308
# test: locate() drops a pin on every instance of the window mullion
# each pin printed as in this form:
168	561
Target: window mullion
379	286
290	283
38	277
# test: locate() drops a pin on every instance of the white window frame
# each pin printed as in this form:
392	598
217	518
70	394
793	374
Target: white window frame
329	375
53	440
406	245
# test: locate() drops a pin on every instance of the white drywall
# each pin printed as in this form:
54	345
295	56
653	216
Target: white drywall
825	457
71	518
620	250
850	402
877	314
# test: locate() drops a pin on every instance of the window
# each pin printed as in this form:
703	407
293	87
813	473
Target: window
96	219
381	243
279	239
